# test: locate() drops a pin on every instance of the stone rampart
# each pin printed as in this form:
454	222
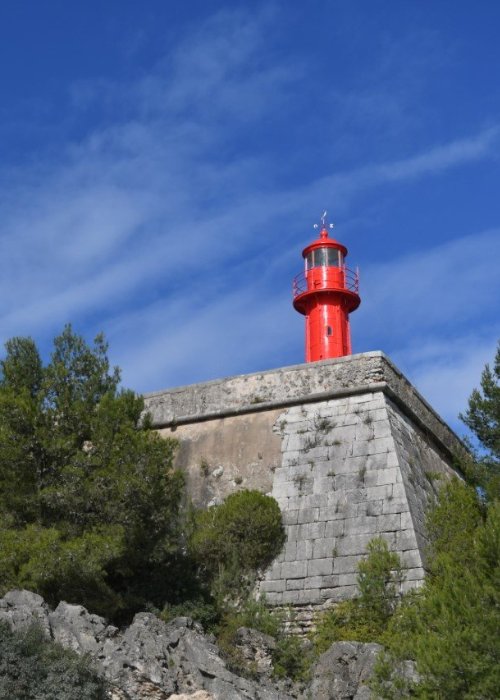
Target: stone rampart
348	447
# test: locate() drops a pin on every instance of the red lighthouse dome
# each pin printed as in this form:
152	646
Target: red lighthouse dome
326	293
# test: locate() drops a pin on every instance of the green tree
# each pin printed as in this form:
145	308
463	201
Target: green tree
450	627
483	419
89	500
35	668
366	617
232	541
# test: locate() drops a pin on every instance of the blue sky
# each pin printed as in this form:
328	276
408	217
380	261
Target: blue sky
162	165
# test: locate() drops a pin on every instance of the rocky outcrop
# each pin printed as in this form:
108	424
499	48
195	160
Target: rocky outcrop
342	671
176	660
149	659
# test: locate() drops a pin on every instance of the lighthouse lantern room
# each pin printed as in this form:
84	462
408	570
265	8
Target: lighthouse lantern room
326	293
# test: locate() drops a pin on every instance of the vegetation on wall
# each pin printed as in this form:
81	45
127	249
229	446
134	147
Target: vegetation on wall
366	617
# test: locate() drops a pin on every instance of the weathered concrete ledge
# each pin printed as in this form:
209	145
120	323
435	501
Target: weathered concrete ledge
299	384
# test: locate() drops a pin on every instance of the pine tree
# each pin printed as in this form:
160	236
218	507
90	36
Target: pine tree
483	419
89	499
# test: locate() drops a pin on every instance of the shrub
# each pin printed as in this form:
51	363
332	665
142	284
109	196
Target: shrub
34	668
365	618
232	541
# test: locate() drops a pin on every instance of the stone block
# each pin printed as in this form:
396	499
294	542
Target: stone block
375	493
295	502
275	598
408	586
293	532
355	496
411	559
381	446
346	564
388	476
304	549
389	522
274	572
336	509
272	586
378	461
294	584
355	544
307	515
314	582
378	414
347	482
334	528
370	508
344	434
406	521
293	569
320	567
290	551
398	491
395	505
294	442
330	581
290	517
415	574
405	540
361	399
324	548
311	531
291	458
284	489
393	459
362	448
381	429
347	579
337	595
308	596
290	598
316	500
361	525
322	486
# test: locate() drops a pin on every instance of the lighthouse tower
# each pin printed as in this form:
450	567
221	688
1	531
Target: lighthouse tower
326	293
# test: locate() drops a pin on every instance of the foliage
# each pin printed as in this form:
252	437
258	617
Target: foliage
365	618
232	541
34	668
483	419
201	609
291	657
89	500
450	627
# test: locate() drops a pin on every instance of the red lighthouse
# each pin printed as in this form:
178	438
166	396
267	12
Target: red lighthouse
326	293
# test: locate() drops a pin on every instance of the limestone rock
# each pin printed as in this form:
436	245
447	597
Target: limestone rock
154	660
21	608
256	648
150	659
342	671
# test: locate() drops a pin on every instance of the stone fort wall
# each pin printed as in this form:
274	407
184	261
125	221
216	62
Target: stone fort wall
348	447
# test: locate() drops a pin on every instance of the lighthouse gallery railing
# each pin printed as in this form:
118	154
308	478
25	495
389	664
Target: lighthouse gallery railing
351	282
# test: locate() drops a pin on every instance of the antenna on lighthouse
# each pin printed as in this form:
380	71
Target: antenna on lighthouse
323	219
